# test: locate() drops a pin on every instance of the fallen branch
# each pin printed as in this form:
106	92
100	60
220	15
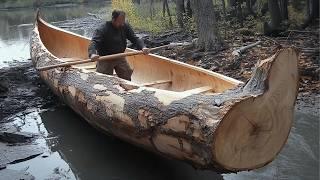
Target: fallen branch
270	39
242	49
298	31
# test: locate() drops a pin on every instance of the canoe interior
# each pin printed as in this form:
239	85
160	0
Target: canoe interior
148	70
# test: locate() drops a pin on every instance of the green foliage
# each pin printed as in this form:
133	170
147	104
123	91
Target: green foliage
189	24
140	17
296	16
298	5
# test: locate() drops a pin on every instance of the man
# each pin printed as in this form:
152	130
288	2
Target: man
111	38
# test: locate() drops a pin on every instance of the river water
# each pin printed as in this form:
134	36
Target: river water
74	150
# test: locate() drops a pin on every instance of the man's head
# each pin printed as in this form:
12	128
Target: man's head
118	18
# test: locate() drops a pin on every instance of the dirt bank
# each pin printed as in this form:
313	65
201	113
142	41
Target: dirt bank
240	67
23	89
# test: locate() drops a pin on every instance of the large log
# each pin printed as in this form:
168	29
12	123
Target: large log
239	129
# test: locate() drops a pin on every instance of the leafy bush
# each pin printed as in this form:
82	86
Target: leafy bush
136	16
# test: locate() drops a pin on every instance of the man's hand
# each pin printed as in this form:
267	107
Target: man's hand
94	57
145	51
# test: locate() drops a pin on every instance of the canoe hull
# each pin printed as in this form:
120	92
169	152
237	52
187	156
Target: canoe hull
196	128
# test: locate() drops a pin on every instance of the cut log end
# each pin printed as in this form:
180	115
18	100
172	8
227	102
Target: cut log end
255	129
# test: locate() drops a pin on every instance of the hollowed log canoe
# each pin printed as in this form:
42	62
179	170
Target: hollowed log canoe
175	109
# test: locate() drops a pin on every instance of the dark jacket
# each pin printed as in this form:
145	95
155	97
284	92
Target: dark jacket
109	40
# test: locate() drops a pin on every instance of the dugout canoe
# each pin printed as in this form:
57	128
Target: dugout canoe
174	109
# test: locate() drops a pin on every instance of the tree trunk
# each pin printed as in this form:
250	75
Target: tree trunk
224	8
249	4
232	7
151	9
165	2
274	13
180	12
315	9
163	9
239	13
274	27
208	34
284	9
309	8
312	12
189	10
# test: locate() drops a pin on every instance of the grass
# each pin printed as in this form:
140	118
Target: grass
140	18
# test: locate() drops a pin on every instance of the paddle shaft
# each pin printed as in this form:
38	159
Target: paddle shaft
101	58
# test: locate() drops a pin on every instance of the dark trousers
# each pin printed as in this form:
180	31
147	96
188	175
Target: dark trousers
120	65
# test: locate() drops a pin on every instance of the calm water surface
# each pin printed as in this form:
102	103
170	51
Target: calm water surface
74	150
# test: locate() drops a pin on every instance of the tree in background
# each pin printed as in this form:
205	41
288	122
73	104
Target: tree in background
165	8
249	5
275	14
279	13
188	9
206	25
180	10
145	16
312	12
284	9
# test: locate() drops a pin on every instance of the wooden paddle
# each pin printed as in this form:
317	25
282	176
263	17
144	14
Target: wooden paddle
105	58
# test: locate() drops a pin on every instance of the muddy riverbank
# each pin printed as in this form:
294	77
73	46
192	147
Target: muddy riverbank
59	138
51	134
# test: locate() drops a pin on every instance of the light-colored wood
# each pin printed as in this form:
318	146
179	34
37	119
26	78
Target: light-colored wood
147	68
73	61
70	59
156	82
101	58
202	117
251	130
199	90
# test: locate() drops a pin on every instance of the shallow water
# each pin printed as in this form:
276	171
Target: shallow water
16	26
81	152
75	150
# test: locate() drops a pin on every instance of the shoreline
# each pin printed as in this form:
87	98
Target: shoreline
27	93
49	5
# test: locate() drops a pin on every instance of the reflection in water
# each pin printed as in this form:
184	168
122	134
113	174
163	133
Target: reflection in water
16	26
93	155
41	168
73	144
79	151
